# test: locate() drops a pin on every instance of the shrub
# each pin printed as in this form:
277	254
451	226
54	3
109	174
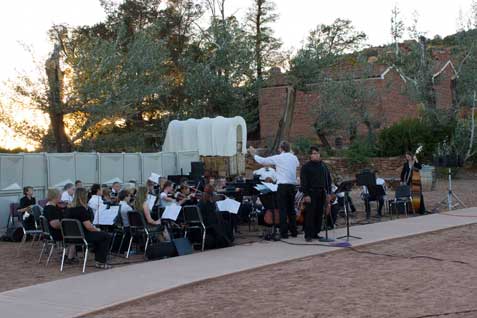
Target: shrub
301	145
408	134
360	151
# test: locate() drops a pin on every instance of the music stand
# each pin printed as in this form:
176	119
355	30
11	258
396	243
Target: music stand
367	178
346	187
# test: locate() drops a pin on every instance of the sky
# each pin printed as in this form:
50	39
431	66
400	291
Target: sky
24	23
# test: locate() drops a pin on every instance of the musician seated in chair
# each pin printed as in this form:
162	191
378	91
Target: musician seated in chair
142	206
25	208
371	196
166	195
335	208
184	196
99	240
267	174
218	234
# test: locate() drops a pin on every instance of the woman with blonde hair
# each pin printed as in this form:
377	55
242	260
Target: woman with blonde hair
141	205
78	210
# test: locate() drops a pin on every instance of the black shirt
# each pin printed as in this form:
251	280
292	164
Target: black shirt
52	212
314	176
78	213
406	177
208	210
26	202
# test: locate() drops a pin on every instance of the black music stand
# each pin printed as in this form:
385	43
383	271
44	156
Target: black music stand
346	187
366	178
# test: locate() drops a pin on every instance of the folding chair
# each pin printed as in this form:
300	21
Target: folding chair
193	220
375	192
138	226
47	239
73	235
402	196
33	231
118	229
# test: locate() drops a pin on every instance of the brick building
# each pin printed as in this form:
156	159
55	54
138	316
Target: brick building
392	101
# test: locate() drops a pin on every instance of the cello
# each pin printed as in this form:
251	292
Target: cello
416	186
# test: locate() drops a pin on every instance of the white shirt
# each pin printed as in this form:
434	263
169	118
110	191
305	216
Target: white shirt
286	164
95	203
66	197
162	200
125	208
380	182
333	189
265	173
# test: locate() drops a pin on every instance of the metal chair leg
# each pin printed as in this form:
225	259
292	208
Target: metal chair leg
24	237
85	259
42	251
121	244
203	240
63	258
51	252
112	243
145	247
129	248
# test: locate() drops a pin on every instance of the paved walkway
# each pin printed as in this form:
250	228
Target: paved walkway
81	294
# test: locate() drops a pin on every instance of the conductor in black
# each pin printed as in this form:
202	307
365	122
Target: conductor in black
316	186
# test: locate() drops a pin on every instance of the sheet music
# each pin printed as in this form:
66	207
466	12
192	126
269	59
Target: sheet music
172	212
261	188
229	205
151	199
106	216
272	186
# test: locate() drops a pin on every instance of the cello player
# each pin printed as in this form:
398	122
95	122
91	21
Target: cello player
412	165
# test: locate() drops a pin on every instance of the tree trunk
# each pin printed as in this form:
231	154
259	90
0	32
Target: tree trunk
324	141
258	40
55	96
472	129
284	126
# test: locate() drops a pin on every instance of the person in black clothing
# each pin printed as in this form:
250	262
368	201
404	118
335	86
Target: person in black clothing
218	233
25	207
53	214
99	240
316	186
412	165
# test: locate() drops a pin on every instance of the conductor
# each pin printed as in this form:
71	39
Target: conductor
286	164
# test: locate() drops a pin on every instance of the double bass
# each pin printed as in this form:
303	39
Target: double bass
416	186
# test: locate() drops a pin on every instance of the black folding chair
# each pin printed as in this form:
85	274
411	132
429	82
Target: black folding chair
138	227
193	220
403	197
47	239
33	230
118	229
73	235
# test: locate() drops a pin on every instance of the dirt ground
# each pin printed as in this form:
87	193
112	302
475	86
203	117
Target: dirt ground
20	268
431	275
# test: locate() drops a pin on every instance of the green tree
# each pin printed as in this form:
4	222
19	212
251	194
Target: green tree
323	48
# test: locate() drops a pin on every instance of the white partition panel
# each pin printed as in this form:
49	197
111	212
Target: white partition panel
86	168
151	162
132	167
184	159
111	166
11	171
34	170
169	166
61	167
